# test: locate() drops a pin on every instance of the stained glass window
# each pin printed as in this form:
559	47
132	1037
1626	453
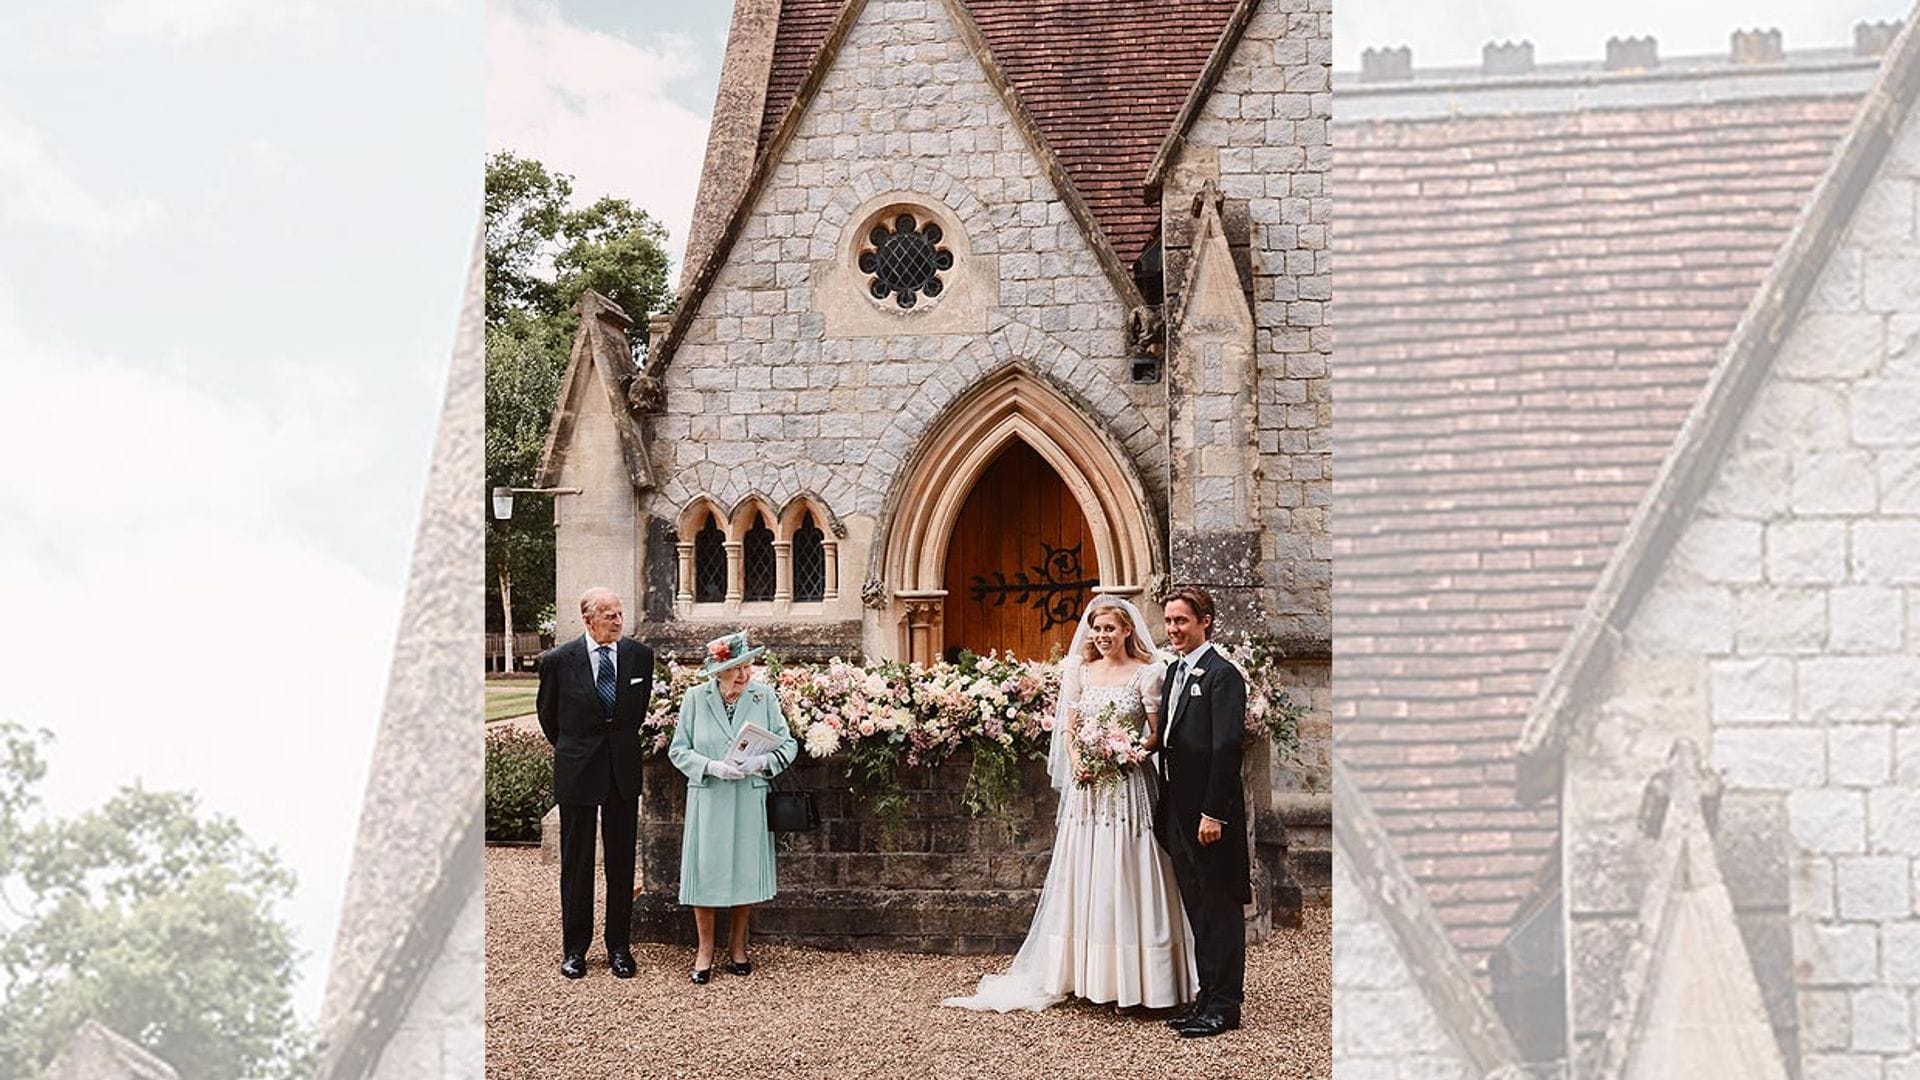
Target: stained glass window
903	259
710	563
759	562
809	561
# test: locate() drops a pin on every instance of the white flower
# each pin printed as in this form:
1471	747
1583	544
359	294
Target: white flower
822	740
875	686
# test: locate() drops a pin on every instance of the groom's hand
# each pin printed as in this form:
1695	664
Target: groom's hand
1209	830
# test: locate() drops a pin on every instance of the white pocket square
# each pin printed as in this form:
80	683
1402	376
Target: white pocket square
642	678
1193	691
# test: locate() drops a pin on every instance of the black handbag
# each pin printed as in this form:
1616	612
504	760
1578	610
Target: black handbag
790	811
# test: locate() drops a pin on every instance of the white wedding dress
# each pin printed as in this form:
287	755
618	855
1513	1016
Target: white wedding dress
1109	927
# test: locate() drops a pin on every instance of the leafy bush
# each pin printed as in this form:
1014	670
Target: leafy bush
519	784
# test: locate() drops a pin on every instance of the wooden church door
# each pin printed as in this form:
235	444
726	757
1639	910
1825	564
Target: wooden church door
1020	564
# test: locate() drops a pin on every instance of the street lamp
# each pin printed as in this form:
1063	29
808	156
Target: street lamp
503	512
503	498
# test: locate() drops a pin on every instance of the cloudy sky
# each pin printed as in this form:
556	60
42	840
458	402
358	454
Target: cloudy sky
232	239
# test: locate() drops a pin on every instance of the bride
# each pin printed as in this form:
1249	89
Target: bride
1109	927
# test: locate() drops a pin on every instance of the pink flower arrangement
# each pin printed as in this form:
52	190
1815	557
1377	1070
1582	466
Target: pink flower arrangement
1105	748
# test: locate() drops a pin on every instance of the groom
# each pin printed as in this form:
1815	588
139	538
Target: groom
594	691
1202	818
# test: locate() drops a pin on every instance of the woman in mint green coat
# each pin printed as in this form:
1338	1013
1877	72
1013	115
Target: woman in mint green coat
726	853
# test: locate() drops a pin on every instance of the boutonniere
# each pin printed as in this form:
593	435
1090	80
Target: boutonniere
1197	672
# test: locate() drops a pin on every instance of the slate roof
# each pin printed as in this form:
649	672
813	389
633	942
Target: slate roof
1102	81
1529	303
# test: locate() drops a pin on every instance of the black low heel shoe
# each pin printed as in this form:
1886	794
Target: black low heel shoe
744	967
702	975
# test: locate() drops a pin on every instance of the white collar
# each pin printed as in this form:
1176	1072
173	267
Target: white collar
587	637
1192	659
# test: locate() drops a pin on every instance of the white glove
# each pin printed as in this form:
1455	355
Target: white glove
721	769
755	765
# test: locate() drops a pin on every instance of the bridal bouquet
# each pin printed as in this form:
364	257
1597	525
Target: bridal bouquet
1105	747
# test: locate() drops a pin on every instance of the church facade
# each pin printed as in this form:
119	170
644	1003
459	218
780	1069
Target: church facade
987	307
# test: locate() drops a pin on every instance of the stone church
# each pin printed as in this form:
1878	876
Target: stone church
1630	733
988	306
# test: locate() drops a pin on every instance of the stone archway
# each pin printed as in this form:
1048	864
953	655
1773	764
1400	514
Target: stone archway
1013	406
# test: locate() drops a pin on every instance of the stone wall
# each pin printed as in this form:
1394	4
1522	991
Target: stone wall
1262	137
762	397
941	881
1784	634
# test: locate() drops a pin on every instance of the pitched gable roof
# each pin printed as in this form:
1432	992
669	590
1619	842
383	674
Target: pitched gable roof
1689	1003
1104	83
1529	304
1382	882
802	29
1661	517
601	362
1048	78
1095	88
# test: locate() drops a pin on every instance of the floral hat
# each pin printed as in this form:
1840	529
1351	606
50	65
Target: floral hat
729	651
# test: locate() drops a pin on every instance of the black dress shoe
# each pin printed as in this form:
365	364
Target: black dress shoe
623	966
743	967
701	975
1209	1024
574	966
1185	1014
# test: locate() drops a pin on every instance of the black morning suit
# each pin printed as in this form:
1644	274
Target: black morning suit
1200	769
596	773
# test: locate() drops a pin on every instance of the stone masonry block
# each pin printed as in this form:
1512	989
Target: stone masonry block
1893	821
1873	688
1882	1020
1873	888
1800	552
1864	619
1827	821
1769	758
1859	756
1752	690
1837	955
1883	412
1833	482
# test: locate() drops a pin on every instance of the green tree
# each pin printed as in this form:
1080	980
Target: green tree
541	255
148	915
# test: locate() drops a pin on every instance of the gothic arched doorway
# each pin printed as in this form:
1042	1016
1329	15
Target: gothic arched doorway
1012	413
1020	563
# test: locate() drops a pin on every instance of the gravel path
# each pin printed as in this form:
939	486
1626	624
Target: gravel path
807	1013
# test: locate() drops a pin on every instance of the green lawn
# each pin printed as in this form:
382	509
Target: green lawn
510	697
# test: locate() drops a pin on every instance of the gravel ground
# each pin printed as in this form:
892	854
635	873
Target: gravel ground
806	1013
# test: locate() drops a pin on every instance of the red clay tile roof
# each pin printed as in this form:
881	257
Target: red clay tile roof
1528	305
1103	82
803	25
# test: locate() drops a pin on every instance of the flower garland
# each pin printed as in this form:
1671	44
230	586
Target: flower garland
992	703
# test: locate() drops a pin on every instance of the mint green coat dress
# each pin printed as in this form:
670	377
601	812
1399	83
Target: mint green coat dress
726	852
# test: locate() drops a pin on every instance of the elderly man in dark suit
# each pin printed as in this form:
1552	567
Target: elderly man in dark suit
1202	816
594	691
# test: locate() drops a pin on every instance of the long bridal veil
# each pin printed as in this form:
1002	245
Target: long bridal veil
1024	984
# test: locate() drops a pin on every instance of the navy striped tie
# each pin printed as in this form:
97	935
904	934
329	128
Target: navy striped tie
604	682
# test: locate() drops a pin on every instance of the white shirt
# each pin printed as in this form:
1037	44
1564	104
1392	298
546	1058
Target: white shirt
593	654
1180	688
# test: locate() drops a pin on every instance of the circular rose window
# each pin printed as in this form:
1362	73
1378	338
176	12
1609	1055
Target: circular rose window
903	259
